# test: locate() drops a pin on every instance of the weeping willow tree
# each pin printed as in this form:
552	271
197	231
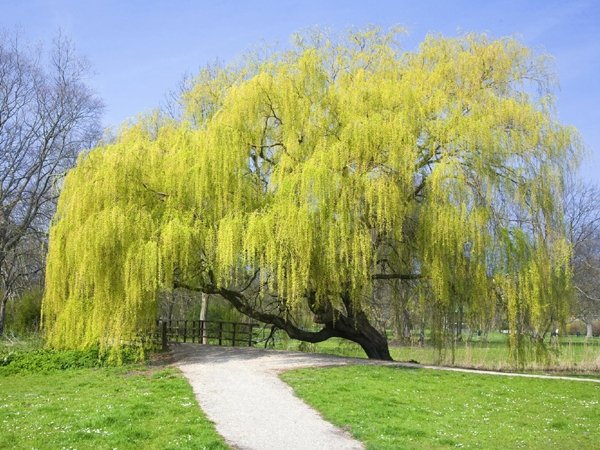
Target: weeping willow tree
299	182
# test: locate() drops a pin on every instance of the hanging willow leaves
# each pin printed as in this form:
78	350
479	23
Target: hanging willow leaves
314	174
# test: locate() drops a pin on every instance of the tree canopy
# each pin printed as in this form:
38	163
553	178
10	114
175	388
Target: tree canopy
298	182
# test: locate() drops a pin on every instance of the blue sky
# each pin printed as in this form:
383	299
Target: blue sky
140	49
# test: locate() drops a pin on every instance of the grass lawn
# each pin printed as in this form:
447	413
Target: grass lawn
103	408
392	408
574	354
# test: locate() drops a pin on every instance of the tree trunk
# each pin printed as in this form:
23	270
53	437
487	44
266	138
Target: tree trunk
589	330
3	314
170	306
402	321
203	308
459	324
407	325
359	330
354	325
422	332
398	325
372	342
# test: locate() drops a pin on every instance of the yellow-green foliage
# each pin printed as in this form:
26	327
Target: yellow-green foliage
308	166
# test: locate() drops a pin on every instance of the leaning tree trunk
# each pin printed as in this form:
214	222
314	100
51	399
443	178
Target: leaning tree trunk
352	324
372	341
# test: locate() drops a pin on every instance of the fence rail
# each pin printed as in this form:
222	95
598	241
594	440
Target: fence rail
204	331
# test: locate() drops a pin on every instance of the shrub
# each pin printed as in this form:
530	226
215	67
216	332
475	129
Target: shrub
575	327
596	328
47	360
307	347
23	314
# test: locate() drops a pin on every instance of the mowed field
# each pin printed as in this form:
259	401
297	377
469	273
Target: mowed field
132	407
399	408
150	406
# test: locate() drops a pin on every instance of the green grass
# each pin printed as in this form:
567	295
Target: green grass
392	408
573	355
103	408
32	341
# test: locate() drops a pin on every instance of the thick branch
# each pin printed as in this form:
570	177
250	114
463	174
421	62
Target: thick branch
396	276
239	302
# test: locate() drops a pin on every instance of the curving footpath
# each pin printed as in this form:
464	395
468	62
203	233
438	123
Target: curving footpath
239	390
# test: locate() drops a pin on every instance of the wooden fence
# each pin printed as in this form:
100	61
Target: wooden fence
204	331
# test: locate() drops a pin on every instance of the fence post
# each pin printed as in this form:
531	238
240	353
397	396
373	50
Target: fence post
164	336
233	337
220	333
250	336
184	330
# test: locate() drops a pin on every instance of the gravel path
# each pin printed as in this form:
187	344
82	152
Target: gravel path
239	390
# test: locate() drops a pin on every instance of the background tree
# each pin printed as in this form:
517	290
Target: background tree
301	184
582	214
47	116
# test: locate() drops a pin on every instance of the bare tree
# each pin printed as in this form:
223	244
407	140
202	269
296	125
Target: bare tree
47	116
582	214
